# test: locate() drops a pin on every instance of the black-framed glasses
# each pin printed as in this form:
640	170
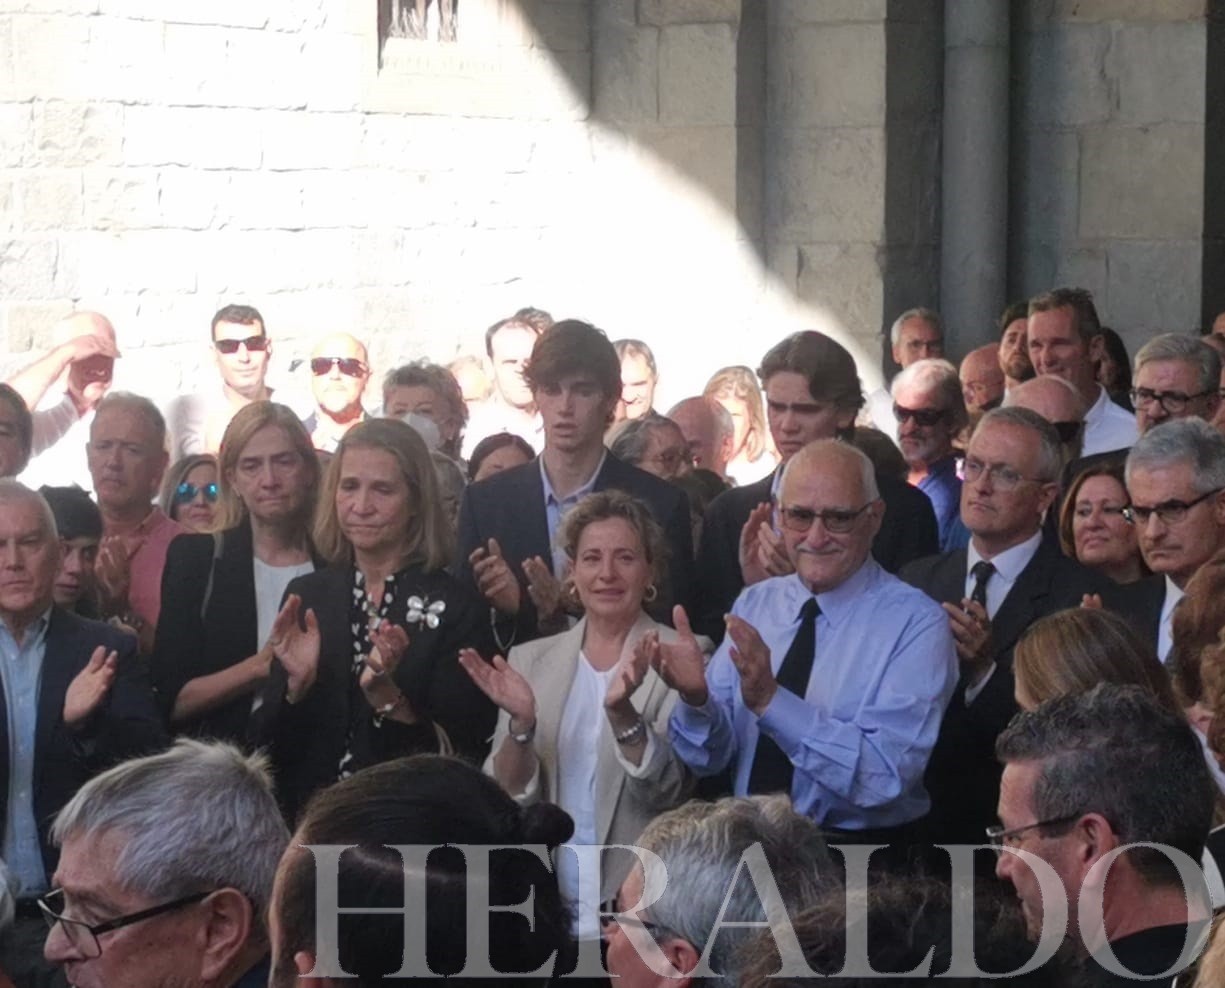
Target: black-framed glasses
254	344
1000	836
838	521
186	492
610	916
1002	475
1170	512
1174	402
923	417
348	366
84	936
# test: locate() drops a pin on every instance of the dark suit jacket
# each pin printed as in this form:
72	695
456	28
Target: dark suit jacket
308	739
509	507
963	776
908	531
126	724
187	645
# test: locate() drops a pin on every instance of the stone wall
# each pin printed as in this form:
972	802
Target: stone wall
1109	144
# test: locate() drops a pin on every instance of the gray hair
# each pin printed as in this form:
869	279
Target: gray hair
1188	349
1190	440
1115	750
919	312
940	377
701	844
14	492
142	406
197	817
1050	451
631	438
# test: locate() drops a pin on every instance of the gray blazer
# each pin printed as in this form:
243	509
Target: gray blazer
624	804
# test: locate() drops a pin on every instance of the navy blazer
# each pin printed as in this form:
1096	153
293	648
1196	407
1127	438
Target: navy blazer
963	776
509	507
908	531
126	724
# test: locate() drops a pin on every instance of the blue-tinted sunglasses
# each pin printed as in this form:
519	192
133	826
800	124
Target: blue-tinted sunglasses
186	493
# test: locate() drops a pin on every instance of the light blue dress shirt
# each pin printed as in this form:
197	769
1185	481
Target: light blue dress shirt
21	668
556	507
884	671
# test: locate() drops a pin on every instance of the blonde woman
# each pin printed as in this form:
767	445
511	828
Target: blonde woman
737	390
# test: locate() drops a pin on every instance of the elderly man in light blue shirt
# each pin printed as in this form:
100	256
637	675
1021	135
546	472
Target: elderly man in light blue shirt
832	681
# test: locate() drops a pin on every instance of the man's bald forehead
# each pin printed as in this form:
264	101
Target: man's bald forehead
830	456
82	323
340	345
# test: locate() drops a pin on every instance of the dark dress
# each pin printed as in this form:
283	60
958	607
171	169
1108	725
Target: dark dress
334	723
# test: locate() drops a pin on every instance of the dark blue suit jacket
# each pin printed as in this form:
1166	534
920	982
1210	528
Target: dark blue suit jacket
509	507
126	724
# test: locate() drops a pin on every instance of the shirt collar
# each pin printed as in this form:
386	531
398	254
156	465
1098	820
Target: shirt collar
1098	408
551	498
1012	561
36	630
837	603
1173	595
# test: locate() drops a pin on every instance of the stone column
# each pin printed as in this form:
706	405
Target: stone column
974	208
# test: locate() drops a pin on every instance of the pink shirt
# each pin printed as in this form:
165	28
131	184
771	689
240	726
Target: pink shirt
145	587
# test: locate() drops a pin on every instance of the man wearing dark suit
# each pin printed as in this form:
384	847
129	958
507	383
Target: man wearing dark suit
812	392
507	522
993	590
76	699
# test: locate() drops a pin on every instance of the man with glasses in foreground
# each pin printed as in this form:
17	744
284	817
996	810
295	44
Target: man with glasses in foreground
991	591
1085	775
242	349
701	846
1176	482
339	368
165	873
848	744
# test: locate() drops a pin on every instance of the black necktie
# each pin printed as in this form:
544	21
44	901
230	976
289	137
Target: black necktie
982	571
772	770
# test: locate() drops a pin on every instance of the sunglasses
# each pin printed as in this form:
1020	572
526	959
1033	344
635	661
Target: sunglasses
255	344
923	417
185	493
348	366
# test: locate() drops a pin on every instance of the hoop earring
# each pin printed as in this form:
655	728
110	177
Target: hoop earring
649	595
570	593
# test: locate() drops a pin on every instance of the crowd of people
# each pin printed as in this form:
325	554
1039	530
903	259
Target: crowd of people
786	661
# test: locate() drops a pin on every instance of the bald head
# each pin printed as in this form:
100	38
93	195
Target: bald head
1051	397
831	456
340	345
708	430
339	372
82	324
982	380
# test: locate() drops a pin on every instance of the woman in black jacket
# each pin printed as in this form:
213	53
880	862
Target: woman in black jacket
222	592
371	670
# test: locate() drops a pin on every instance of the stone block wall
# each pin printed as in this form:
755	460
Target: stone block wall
1108	150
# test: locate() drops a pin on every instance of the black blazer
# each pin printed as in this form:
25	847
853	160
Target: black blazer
509	507
963	776
125	725
307	739
908	531
187	645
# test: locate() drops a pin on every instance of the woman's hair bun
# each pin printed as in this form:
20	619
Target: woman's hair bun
548	824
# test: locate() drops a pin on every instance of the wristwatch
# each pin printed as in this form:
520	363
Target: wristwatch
526	736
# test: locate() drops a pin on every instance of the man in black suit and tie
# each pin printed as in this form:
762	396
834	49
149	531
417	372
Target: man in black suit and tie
812	392
507	522
75	700
993	590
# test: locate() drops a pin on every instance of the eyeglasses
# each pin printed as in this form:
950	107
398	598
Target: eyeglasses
1000	836
1068	431
672	458
837	521
1170	512
610	915
186	492
1122	510
923	417
348	366
1002	476
1174	402
84	936
255	344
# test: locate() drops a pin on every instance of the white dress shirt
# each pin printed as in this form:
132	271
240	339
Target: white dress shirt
1107	426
